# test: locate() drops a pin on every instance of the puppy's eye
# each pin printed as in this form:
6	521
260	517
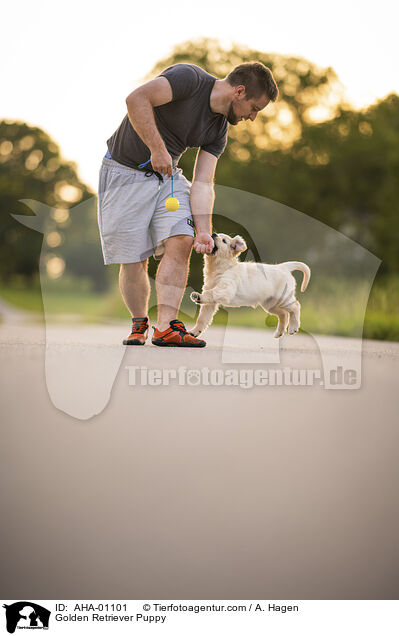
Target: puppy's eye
224	241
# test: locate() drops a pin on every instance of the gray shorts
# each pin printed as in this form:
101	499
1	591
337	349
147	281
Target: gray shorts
132	217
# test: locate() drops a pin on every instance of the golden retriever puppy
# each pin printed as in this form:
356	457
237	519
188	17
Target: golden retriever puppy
230	283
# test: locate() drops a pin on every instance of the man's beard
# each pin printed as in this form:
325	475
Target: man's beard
231	116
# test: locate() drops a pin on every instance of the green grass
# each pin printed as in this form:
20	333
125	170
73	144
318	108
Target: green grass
69	303
329	306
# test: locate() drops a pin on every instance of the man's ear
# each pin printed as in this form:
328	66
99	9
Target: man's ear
238	244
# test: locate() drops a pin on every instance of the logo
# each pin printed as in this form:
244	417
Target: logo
325	249
26	615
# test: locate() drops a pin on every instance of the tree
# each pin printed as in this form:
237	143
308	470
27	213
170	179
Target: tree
306	93
32	168
310	150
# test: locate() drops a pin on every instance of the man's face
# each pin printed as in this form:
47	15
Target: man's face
242	108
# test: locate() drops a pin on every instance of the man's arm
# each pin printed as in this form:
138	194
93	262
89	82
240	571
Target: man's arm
140	104
202	197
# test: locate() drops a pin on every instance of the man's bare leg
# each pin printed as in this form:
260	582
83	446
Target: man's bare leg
135	287
171	278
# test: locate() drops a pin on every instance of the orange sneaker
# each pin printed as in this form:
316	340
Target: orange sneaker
139	332
176	336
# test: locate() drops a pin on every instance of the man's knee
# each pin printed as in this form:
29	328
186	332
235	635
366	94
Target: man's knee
131	270
179	246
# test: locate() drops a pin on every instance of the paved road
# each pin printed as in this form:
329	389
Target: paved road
196	490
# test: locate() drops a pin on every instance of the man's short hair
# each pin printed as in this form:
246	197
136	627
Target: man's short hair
256	78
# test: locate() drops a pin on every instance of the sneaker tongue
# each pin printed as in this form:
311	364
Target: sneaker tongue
139	319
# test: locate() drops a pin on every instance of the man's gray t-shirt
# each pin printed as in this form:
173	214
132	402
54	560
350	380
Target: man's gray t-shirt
185	122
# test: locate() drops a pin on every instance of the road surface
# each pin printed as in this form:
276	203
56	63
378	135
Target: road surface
194	491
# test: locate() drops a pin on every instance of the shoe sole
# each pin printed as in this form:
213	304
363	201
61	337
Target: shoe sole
179	344
133	342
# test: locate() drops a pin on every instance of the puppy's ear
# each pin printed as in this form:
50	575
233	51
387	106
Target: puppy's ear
238	244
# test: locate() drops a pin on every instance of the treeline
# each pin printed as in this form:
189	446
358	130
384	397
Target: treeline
310	151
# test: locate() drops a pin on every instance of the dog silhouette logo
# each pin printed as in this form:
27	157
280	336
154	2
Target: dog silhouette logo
80	380
26	615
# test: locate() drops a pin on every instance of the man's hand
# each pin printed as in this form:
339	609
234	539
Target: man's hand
203	243
161	161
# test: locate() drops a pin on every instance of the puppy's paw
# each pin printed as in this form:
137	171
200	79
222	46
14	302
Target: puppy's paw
195	297
291	331
278	334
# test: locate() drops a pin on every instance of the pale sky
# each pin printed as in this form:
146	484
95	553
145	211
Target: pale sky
68	67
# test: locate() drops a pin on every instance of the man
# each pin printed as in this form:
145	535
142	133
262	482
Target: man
183	107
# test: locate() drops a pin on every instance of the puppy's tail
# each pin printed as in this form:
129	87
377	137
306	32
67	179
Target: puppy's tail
293	265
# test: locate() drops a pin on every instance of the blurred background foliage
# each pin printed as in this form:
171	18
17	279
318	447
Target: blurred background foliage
31	167
310	151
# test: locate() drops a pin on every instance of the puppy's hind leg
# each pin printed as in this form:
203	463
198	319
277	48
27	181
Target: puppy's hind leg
283	317
295	317
204	318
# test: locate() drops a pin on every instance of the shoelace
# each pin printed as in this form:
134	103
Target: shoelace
177	325
139	325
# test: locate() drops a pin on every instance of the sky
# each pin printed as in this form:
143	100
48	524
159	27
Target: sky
68	67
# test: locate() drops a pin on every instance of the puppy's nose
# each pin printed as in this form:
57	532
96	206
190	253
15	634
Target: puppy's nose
214	235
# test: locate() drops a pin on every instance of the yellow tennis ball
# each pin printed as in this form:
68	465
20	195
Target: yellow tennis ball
172	204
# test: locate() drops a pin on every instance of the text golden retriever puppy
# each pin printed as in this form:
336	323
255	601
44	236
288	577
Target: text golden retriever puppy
230	283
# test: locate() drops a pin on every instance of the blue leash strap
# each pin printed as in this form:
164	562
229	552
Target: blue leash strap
144	164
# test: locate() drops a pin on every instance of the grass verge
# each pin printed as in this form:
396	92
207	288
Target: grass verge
330	306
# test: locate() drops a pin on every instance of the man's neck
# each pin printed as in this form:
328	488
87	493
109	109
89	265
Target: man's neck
220	97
